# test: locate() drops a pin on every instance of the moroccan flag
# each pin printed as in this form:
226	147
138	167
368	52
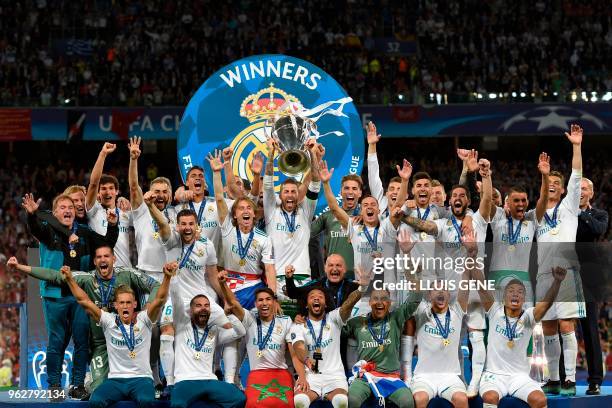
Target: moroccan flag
269	388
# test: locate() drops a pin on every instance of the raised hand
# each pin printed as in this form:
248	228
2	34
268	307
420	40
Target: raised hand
108	148
405	171
468	239
227	154
148	198
405	241
325	174
111	217
463	154
170	268
29	204
124	204
257	163
66	272
559	273
410	204
362	277
544	164
373	137
12	263
484	167
134	147
575	135
289	271
222	276
272	147
472	161
215	161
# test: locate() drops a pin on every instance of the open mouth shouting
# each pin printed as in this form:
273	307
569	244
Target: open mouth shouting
104	268
423	197
350	199
514	301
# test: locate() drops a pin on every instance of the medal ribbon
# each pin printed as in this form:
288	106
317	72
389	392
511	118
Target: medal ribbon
444	331
185	257
383	329
513	236
243	250
199	342
372	241
75	227
312	332
200	212
457	228
511	329
261	344
338	293
424	217
289	221
105	294
129	340
552	222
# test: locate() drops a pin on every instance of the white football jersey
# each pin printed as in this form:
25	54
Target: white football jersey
273	354
98	223
151	253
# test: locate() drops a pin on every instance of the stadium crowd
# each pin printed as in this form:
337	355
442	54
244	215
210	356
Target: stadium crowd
154	52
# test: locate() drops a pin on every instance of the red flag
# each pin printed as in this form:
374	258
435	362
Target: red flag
270	389
122	120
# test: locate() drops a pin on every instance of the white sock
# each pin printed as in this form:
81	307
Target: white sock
166	356
485	405
301	401
406	353
552	349
230	361
339	401
570	352
479	355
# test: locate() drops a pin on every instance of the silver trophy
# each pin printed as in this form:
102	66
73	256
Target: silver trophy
291	132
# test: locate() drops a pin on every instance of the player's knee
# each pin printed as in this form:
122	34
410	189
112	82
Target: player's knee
490	397
421	399
537	399
301	401
340	401
459	400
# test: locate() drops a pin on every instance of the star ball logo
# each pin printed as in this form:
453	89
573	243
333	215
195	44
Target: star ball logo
232	107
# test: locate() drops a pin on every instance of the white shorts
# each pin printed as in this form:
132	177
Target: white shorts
513	385
569	303
323	384
437	385
280	287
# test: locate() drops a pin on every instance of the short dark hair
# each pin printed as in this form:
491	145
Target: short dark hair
265	290
290	181
352	177
396	179
193	299
464	187
556	173
192	169
104	245
108	179
420	176
186	212
517	189
515	282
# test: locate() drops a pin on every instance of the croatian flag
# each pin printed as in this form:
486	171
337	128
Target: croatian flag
382	384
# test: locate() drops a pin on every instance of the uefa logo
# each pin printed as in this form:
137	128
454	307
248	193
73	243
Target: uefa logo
233	106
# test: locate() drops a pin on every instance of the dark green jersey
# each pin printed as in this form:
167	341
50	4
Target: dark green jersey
385	357
336	238
94	286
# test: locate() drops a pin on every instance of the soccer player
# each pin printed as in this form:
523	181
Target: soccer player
102	196
378	337
268	337
556	240
100	285
197	336
507	367
513	234
438	323
128	340
317	347
386	200
336	239
78	193
63	241
288	224
438	195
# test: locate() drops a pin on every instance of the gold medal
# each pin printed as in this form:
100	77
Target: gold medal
197	355
199	229
156	235
377	254
554	230
259	353
132	354
510	343
446	342
242	262
423	235
291	235
318	351
511	248
73	253
381	348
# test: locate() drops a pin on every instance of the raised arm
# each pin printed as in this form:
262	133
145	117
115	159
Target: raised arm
256	166
486	297
154	308
269	198
230	297
354	297
404	172
80	295
158	216
428	226
487	190
542	307
135	190
336	210
575	137
235	332
216	166
96	173
544	168
375	183
230	178
469	242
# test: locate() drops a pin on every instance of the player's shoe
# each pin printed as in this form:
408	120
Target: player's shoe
568	388
78	393
594	389
552	387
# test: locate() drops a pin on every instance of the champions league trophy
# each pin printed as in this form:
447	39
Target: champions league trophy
291	131
538	357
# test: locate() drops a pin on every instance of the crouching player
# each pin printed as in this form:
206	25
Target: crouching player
128	341
507	367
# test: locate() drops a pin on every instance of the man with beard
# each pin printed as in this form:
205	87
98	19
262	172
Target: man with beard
63	241
317	347
386	201
102	196
438	322
197	336
100	285
151	253
448	232
513	234
336	239
245	249
507	367
77	193
556	240
197	271
288	224
268	337
128	340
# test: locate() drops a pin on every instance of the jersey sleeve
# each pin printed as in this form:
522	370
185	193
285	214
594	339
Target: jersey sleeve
408	308
335	317
237	331
318	225
456	307
217	315
226	226
352	231
376	187
269	198
91	213
106	319
529	320
572	200
267	252
179	312
440	225
248	320
500	215
145	319
173	241
493	310
287	329
389	233
140	211
479	222
297	333
211	254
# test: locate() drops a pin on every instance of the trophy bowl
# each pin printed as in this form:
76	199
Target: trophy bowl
291	132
